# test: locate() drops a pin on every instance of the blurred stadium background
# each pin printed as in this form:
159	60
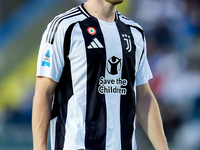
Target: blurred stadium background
172	29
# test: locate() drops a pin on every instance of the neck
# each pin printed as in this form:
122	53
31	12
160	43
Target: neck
101	9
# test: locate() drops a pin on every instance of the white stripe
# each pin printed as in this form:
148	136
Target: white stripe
94	45
113	130
90	47
84	11
53	132
98	43
72	10
75	124
134	144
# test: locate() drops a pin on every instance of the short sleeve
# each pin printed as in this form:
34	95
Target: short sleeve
144	73
50	61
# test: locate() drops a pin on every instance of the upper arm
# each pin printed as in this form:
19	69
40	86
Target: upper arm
145	99
41	111
44	86
144	92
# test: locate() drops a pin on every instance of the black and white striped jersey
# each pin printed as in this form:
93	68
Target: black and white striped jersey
97	66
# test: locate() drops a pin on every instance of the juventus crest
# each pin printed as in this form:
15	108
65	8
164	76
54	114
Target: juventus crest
127	39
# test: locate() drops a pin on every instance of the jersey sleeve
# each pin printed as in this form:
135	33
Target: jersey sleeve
144	73
50	61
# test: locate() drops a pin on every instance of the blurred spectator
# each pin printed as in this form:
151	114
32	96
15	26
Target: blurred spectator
9	7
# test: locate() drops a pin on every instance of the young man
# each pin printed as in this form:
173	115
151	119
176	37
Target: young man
92	78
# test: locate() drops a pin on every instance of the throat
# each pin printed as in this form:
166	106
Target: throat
105	13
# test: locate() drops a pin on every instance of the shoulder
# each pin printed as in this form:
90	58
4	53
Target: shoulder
129	22
62	22
68	17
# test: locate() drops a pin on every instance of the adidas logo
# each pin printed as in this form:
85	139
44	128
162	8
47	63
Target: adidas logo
95	44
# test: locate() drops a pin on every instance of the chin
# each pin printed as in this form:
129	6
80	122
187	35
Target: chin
115	2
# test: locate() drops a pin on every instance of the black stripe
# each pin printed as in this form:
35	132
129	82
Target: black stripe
64	89
63	93
138	28
67	40
95	138
60	128
127	105
141	58
143	37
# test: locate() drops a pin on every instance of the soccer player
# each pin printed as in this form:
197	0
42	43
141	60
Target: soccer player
92	81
